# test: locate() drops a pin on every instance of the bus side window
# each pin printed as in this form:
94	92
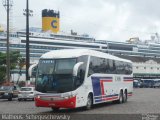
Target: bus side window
110	63
128	68
82	70
91	71
107	67
114	68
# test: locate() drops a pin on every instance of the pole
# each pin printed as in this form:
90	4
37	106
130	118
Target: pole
27	41
8	53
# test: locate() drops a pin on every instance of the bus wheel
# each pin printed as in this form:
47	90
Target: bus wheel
89	102
55	109
120	100
125	96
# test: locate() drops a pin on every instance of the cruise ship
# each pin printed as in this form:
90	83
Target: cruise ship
41	43
50	38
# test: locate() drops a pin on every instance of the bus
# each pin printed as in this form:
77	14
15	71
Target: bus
72	78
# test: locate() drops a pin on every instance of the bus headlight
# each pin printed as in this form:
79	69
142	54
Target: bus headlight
69	96
66	97
37	96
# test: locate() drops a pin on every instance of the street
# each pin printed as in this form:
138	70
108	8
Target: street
143	101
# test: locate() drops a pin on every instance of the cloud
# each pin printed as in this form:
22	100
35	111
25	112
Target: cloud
103	19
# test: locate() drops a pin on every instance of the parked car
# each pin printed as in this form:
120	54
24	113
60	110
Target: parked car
156	83
136	83
9	92
147	83
26	93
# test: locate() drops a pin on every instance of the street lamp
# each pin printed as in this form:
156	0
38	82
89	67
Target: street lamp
27	13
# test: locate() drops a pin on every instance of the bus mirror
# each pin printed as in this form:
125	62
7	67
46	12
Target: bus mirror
32	70
75	68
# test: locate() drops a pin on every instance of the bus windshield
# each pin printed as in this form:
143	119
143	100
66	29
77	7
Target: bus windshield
55	76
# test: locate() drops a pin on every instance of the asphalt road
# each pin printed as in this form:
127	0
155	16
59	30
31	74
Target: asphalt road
143	101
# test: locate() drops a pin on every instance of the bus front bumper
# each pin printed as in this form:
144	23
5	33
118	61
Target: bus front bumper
66	103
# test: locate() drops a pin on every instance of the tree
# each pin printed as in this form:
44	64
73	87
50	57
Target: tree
21	63
2	67
2	73
14	58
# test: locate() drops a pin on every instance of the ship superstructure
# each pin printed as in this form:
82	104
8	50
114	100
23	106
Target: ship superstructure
50	38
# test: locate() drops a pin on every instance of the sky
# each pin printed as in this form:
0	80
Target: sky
115	20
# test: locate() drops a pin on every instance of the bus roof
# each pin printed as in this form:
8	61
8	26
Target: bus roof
73	53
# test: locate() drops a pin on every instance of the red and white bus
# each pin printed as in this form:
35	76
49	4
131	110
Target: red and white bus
74	78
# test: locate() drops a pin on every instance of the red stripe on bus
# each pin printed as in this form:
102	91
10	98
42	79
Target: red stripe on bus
102	85
110	98
106	80
102	88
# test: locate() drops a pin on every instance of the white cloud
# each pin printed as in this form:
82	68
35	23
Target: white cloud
104	19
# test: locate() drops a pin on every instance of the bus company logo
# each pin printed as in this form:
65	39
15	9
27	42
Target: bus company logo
53	23
118	79
100	93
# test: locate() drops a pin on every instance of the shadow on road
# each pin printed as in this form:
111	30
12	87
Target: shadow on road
81	109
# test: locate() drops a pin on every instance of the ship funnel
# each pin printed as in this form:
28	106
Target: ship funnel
1	29
50	20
